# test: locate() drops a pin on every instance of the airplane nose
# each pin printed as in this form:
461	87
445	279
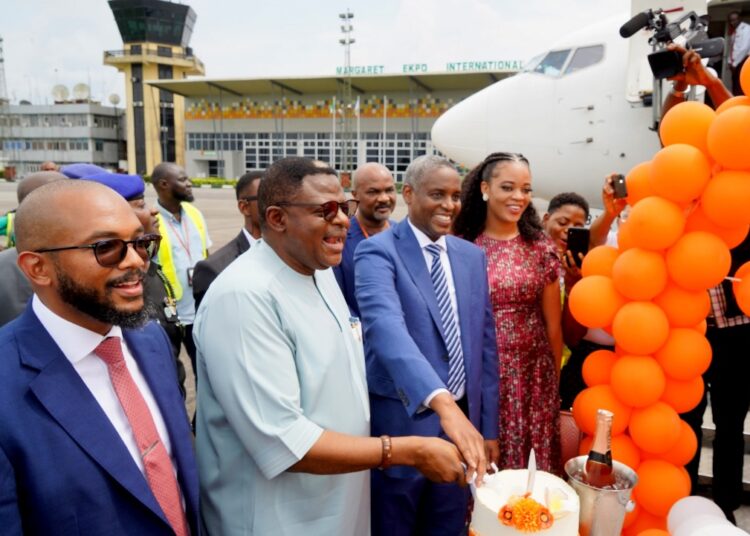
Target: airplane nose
461	132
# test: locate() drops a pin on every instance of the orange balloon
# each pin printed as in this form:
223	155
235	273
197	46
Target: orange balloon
685	447
679	173
726	199
599	261
655	223
585	445
742	295
624	237
741	288
740	100
688	123
639	274
638	183
594	301
660	485
592	399
644	521
625	451
745	79
656	428
640	328
685	354
630	516
698	261
597	367
684	308
727	138
701	327
683	396
653	532
637	381
698	221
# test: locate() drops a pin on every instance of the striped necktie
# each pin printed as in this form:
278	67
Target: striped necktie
456	373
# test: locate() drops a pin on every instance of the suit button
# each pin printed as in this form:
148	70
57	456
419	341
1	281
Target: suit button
445	358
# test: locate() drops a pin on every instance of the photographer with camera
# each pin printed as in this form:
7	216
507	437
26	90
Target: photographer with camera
694	74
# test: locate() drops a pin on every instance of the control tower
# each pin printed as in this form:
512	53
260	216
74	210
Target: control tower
155	36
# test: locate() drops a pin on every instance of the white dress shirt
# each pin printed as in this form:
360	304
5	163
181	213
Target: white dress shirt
250	238
78	344
740	43
425	241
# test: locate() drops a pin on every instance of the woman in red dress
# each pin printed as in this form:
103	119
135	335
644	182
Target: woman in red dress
523	272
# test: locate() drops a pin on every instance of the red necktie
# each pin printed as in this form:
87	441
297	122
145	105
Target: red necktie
156	460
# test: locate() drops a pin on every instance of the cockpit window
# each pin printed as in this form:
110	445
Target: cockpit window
553	63
585	57
530	65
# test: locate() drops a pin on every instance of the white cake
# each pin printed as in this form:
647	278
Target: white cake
552	512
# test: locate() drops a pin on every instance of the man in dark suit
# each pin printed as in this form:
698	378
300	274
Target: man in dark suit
430	349
94	438
374	188
247	203
15	290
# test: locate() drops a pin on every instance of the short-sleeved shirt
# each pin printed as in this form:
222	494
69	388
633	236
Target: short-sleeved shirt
279	362
187	250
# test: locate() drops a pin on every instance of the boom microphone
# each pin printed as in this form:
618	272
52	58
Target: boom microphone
634	25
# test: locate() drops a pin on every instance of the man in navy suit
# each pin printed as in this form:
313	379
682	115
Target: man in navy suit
94	437
374	188
430	349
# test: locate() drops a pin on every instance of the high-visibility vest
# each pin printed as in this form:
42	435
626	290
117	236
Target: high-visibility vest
165	249
10	238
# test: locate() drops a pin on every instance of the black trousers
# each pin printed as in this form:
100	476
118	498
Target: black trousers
727	384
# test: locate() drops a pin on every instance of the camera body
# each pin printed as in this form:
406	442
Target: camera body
667	63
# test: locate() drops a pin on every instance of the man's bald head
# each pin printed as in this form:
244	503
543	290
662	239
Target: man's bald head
57	208
368	171
35	180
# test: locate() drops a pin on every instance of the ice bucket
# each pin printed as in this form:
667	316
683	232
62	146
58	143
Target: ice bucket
602	510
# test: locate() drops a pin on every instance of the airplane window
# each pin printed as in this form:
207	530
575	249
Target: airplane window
530	65
585	57
552	63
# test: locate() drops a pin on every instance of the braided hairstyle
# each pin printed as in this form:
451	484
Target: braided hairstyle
472	218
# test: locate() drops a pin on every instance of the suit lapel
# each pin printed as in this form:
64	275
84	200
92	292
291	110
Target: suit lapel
242	244
410	252
462	284
59	388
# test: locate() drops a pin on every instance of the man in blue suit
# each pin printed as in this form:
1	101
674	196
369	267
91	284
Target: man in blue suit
94	437
430	349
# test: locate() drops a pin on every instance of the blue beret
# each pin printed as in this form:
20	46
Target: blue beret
128	186
76	171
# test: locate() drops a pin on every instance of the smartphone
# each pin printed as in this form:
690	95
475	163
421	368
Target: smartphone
578	242
621	189
665	63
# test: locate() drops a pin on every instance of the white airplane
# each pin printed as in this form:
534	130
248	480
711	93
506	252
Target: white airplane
577	111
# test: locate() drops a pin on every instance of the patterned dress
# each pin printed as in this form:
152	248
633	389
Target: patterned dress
529	400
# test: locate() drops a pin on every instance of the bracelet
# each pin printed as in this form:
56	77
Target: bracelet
680	92
385	460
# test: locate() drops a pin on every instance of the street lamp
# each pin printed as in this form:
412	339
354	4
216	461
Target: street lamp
346	139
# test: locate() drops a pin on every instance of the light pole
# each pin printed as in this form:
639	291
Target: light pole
346	94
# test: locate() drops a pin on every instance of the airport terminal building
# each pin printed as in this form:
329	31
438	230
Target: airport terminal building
236	125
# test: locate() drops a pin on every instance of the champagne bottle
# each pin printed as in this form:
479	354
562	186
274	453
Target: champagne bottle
599	472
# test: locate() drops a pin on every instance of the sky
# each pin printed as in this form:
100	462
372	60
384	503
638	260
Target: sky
49	42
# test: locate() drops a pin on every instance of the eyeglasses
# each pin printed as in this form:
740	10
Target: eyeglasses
249	198
109	253
330	209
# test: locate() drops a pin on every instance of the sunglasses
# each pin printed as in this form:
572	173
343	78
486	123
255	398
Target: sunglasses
109	253
249	198
329	209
